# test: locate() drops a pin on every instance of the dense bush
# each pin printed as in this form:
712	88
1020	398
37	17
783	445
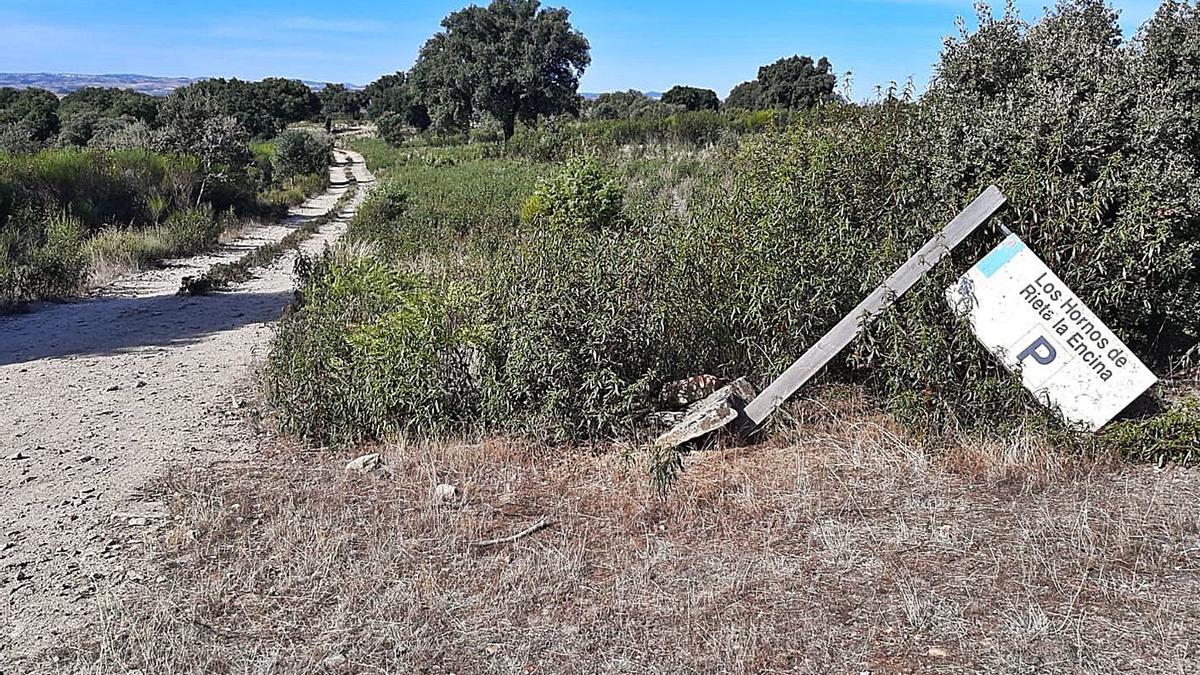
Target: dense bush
738	258
41	257
92	191
393	128
122	248
301	151
1093	141
369	350
581	196
381	212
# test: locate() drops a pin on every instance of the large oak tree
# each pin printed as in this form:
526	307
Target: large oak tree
512	59
692	98
796	83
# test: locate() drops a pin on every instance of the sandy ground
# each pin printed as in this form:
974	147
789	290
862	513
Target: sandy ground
103	394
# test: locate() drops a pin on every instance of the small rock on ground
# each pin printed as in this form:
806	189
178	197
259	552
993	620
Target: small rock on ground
365	463
445	494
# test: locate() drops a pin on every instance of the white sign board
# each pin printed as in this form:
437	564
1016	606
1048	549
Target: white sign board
1031	321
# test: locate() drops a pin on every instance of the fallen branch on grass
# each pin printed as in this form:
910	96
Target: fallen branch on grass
222	276
539	525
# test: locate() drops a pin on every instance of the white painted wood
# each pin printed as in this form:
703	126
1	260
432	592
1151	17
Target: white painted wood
880	299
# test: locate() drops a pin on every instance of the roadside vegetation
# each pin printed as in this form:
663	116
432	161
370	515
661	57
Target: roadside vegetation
552	284
107	181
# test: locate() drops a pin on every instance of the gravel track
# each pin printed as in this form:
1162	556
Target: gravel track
101	395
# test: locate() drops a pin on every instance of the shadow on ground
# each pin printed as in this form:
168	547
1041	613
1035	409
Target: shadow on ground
112	325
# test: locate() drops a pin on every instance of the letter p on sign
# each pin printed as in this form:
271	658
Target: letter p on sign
1041	351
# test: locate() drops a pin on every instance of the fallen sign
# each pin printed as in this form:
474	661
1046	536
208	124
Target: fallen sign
731	405
1025	315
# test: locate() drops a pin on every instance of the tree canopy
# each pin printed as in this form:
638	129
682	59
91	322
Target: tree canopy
337	99
747	95
692	98
796	82
396	94
288	101
513	60
626	105
262	108
110	102
33	111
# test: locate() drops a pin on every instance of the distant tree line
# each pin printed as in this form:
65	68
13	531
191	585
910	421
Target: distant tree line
31	119
513	61
793	83
510	62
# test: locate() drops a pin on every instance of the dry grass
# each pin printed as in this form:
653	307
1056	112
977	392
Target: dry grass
837	547
121	251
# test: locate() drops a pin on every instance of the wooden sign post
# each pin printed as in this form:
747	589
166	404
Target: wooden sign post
721	408
851	325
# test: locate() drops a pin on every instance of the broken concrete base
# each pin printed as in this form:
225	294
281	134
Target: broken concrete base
704	417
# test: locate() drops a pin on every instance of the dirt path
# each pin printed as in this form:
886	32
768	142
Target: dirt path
100	395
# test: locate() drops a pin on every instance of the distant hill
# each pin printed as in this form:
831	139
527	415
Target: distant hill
65	83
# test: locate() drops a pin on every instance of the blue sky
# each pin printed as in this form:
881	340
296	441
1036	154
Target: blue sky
643	45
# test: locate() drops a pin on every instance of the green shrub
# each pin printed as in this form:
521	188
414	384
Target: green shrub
369	350
300	152
45	260
381	212
579	333
18	139
580	196
193	229
394	128
1171	436
699	128
121	249
276	202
